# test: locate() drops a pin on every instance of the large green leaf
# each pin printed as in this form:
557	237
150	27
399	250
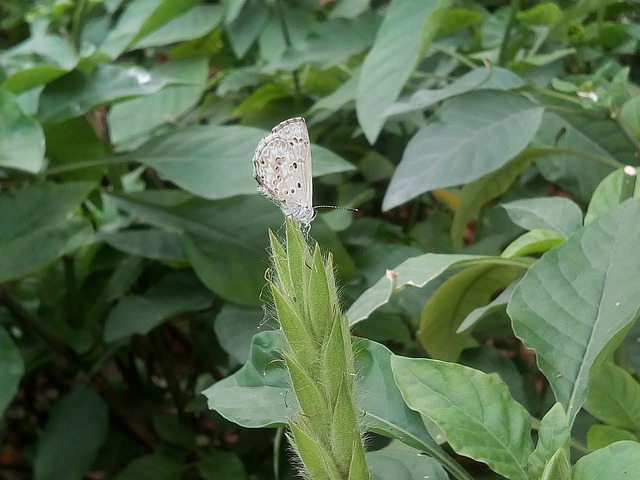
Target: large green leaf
256	395
76	93
405	31
574	304
477	133
225	241
21	137
174	294
474	410
415	272
215	162
12	368
386	413
618	461
76	429
134	118
36	226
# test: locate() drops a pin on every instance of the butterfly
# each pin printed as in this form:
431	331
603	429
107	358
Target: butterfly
282	168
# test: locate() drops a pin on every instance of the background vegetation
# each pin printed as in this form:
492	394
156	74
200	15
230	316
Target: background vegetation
494	250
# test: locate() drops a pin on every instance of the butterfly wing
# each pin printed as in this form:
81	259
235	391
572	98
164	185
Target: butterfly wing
282	168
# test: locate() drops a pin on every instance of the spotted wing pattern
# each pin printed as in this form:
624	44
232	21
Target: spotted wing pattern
282	168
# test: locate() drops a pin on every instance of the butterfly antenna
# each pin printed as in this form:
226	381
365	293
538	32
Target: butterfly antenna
335	206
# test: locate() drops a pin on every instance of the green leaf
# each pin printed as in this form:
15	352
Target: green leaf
155	466
258	395
482	78
12	368
246	27
454	300
27	209
75	431
225	241
607	195
221	465
215	162
150	243
613	397
474	410
76	93
553	435
134	118
498	304
477	133
235	326
406	30
402	464
174	294
619	460
386	412
576	302
600	436
21	137
554	213
139	19
588	149
535	241
188	25
36	61
415	272
35	227
558	467
333	43
630	115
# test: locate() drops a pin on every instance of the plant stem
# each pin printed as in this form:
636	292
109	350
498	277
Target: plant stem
289	44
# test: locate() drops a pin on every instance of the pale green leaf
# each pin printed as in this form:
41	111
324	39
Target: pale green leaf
618	461
474	410
585	292
477	133
405	31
